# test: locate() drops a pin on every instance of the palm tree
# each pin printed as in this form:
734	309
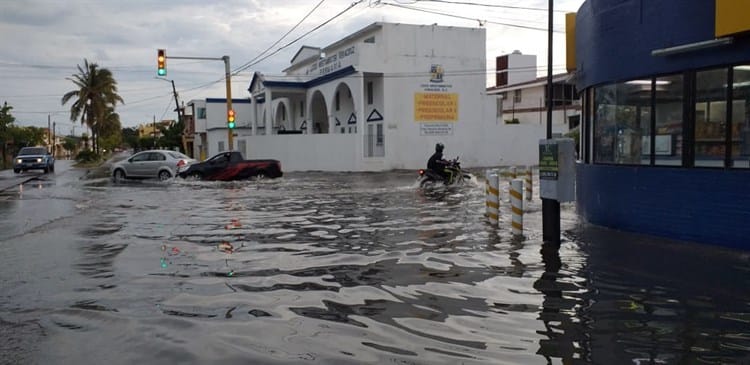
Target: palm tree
96	92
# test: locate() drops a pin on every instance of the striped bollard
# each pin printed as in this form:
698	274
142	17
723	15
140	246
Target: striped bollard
529	184
516	203
493	198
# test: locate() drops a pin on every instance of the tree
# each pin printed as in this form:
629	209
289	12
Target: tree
172	135
110	130
70	143
96	92
6	121
26	136
130	137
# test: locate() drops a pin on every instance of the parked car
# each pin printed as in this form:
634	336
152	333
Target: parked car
230	165
151	164
34	158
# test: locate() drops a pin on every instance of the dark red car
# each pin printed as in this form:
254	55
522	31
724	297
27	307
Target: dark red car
231	165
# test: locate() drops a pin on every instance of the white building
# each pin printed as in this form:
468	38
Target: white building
378	99
522	97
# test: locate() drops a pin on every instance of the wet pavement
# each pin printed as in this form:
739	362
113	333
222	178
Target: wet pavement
345	268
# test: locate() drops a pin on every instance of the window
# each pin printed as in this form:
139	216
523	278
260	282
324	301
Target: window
622	123
156	156
221	146
710	117
301	108
517	96
370	96
338	101
379	140
201	113
740	122
242	146
370	39
669	120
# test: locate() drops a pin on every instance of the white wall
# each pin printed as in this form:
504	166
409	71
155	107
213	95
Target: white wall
301	152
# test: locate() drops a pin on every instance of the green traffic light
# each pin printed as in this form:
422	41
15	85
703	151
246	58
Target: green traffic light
230	125
162	72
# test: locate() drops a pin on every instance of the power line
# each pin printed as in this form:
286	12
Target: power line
492	5
480	21
282	37
300	37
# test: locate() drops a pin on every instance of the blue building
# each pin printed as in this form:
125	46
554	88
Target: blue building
665	136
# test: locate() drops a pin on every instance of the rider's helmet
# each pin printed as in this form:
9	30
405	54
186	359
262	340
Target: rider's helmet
439	147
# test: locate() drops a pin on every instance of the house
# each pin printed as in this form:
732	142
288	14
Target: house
522	96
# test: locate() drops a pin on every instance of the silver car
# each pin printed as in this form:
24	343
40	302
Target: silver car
151	164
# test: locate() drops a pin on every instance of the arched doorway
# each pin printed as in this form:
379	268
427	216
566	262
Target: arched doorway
319	113
280	118
342	107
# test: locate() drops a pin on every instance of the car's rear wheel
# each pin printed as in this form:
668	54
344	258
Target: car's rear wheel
46	170
17	170
118	175
164	175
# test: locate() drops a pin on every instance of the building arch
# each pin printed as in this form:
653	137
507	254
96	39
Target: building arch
281	117
318	114
342	108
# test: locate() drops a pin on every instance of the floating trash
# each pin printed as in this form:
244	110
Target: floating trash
235	223
226	247
163	263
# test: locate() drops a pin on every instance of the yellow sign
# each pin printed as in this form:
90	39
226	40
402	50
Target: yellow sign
435	107
731	17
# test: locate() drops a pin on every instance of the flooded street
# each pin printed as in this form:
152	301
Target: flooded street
345	268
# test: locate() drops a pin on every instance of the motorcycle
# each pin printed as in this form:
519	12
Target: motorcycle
429	177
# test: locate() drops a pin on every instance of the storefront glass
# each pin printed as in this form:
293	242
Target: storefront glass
741	117
710	117
622	122
669	120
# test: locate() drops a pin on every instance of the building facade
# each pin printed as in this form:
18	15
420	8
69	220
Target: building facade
378	99
666	124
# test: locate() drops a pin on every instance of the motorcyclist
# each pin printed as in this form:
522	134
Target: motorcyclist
437	164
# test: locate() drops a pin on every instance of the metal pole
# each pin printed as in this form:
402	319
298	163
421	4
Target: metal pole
550	207
230	131
176	102
154	132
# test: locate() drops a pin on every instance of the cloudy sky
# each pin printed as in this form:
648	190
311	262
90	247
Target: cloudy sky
43	41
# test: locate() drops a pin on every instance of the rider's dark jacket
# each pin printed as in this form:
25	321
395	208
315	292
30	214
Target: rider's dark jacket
436	162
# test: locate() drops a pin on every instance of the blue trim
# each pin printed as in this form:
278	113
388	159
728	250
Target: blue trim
614	39
703	205
224	100
346	71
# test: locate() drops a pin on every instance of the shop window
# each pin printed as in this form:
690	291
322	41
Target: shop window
517	96
669	120
201	113
710	117
740	128
622	123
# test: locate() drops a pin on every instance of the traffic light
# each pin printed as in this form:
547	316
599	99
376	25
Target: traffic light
230	118
161	62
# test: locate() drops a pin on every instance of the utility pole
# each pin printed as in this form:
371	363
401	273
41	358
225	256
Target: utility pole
228	77
176	103
49	131
230	131
154	134
54	139
550	207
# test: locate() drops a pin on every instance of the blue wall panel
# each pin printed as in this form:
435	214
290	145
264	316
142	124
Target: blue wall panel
614	39
702	205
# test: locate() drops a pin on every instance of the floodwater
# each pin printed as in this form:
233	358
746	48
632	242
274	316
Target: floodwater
353	268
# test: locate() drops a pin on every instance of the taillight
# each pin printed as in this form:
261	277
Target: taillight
181	163
421	172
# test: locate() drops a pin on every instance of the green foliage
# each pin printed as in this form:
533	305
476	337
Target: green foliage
130	137
575	134
86	156
94	99
172	136
70	143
